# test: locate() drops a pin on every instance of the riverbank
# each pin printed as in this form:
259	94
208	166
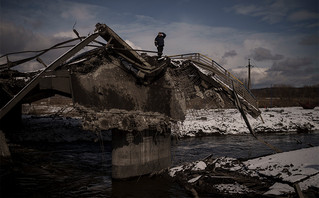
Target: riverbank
282	174
229	121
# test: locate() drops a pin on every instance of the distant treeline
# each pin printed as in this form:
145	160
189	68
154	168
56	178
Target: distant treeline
284	96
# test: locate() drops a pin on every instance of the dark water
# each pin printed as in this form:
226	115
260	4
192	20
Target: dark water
240	146
82	169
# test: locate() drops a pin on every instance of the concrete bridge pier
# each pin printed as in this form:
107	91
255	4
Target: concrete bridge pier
138	153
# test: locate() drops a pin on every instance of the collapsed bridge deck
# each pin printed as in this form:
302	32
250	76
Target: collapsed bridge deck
132	61
135	96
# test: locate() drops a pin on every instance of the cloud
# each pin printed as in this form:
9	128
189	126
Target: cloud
291	65
246	10
66	34
145	19
310	40
293	71
15	38
181	37
78	11
29	66
271	13
258	76
261	54
290	71
228	46
132	45
230	53
303	15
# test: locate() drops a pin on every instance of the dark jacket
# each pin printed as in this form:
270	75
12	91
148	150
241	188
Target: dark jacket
159	40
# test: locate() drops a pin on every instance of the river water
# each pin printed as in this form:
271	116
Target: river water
83	169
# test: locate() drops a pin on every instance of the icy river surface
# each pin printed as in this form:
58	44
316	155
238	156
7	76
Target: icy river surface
82	169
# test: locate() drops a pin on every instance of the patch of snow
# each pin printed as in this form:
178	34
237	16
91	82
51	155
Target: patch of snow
194	179
233	188
172	171
199	166
312	181
279	189
293	166
25	79
204	71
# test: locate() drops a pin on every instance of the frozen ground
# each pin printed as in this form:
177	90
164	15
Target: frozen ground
300	166
270	175
230	121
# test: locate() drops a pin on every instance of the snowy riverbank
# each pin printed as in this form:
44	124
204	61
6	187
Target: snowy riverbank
229	121
275	174
68	126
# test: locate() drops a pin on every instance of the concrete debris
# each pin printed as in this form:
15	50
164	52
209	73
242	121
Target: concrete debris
271	175
124	120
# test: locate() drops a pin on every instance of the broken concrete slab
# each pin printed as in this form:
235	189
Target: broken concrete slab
271	175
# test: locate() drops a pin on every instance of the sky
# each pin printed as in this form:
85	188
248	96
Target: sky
280	37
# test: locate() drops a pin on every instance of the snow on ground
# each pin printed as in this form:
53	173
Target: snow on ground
275	173
199	166
279	188
292	167
233	188
230	121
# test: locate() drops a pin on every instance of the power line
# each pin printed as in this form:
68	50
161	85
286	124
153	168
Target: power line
261	71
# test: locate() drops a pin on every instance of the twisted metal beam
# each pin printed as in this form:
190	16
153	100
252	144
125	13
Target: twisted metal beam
10	64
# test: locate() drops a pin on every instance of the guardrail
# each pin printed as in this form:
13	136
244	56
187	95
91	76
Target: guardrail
220	74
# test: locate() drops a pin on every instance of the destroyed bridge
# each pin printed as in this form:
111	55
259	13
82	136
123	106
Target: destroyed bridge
136	96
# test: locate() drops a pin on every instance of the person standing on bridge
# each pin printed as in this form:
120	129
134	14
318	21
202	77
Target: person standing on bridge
159	43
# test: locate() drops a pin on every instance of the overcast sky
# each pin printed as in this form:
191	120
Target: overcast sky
281	37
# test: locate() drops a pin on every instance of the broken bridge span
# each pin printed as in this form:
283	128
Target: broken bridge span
134	95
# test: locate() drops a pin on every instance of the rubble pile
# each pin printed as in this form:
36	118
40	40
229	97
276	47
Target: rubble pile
89	61
212	177
267	176
198	94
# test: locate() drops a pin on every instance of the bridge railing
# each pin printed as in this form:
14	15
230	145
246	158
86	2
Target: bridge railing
221	75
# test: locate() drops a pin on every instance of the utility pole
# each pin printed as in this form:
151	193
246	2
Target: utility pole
249	66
